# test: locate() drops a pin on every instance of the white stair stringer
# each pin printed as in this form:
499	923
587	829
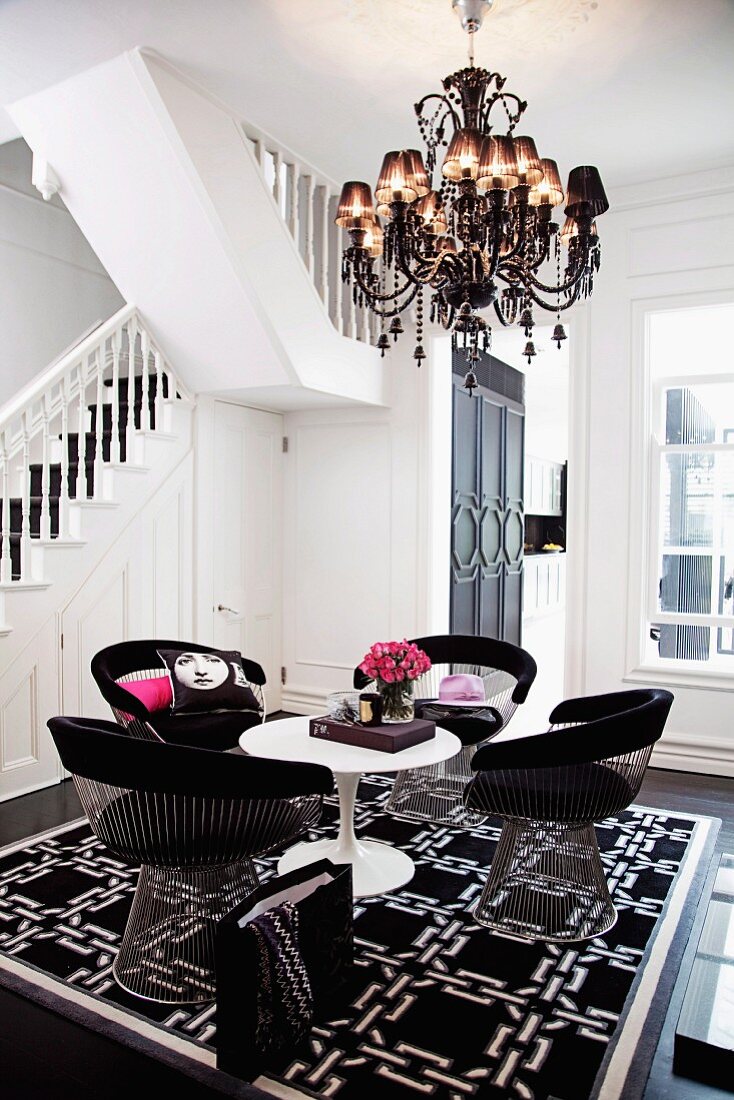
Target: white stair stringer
237	274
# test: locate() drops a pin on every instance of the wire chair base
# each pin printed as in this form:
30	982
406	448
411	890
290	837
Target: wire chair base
167	951
547	883
436	793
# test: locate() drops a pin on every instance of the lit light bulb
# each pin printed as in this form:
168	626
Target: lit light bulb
466	163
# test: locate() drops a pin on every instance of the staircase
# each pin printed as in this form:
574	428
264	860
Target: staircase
224	238
64	439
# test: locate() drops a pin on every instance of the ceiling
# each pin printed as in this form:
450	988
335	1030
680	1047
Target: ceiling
642	88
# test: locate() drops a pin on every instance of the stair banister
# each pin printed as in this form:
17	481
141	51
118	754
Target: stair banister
5	559
64	487
116	342
132	334
52	374
46	473
99	418
319	193
57	401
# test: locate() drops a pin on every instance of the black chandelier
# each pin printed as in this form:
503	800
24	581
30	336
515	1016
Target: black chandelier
486	236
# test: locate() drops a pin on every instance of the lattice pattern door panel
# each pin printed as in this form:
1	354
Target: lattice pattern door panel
487	516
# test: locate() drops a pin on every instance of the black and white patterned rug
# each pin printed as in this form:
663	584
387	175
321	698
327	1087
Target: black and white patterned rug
439	1006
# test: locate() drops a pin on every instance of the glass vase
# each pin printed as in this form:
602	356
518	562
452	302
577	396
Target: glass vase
397	701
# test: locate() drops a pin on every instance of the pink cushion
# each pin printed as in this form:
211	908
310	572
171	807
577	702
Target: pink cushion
155	694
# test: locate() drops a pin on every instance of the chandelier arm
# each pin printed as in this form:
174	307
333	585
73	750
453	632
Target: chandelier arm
450	109
419	273
522	235
553	307
529	280
505	322
432	276
513	117
399	308
375	295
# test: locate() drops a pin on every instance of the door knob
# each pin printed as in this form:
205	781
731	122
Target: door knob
221	607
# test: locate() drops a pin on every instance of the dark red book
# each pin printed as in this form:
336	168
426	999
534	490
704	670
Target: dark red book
388	738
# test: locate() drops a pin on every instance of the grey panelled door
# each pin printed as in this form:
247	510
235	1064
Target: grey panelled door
487	522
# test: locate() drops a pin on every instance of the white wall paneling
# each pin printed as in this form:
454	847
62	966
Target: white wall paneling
29	695
655	249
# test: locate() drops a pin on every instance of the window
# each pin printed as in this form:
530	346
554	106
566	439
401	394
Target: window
690	576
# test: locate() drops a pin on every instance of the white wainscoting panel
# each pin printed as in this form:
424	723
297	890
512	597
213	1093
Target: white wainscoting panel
29	696
20	724
166	527
97	617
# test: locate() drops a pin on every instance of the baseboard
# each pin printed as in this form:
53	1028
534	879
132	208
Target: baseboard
681	752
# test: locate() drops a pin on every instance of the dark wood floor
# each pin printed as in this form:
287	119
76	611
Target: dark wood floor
47	1056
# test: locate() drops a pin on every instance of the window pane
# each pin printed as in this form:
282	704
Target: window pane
688	498
685	583
687	418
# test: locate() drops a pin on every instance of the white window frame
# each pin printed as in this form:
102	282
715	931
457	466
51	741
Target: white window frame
646	536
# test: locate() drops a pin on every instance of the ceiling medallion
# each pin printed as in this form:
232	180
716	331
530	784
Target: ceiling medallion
484	237
521	29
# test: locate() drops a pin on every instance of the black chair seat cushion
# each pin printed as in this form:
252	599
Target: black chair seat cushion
472	728
579	792
204	731
181	831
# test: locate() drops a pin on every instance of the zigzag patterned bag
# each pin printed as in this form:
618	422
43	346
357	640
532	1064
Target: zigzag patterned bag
281	957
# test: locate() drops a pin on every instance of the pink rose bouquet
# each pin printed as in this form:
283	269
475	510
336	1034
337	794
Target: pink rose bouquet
394	662
395	666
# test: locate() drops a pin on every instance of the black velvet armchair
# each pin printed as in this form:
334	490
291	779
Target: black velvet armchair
435	793
547	880
138	660
194	819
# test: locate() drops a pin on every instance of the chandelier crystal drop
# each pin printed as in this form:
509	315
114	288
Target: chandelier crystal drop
471	224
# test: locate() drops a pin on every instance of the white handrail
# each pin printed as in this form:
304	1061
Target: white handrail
51	374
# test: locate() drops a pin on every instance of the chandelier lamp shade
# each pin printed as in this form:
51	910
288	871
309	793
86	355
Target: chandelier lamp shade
470	225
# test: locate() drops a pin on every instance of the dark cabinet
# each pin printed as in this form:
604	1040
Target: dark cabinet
487	529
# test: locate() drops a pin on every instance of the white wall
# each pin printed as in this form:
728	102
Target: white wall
668	242
52	286
546	387
357	509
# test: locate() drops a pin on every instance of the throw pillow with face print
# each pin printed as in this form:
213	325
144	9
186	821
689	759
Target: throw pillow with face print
207	682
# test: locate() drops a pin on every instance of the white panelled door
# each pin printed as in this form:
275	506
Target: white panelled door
248	536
